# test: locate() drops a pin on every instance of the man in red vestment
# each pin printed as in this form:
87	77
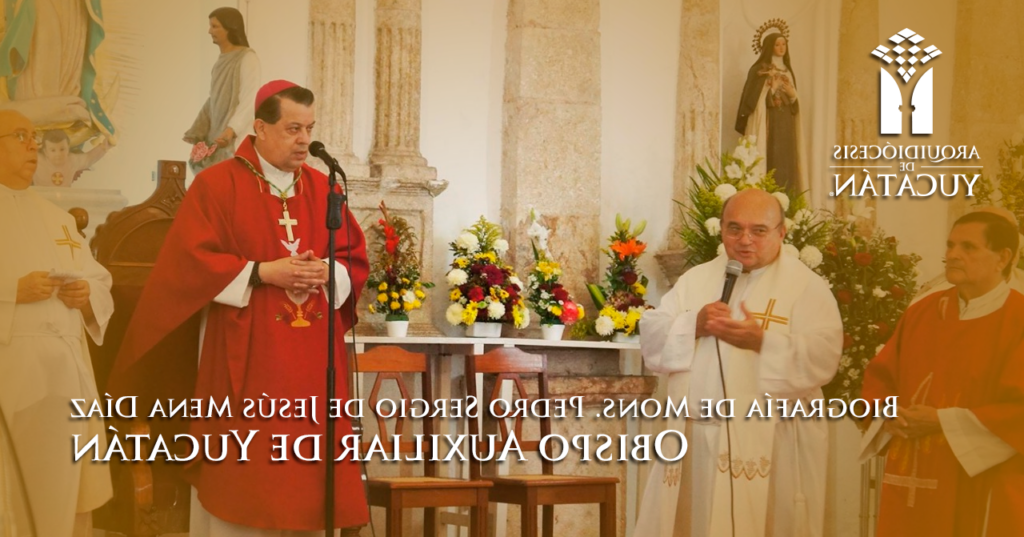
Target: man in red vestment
956	363
245	255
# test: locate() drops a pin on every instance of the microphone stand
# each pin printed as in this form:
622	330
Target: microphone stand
336	203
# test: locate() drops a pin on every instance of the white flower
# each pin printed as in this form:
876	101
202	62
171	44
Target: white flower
790	225
752	181
526	318
746	154
713	225
811	256
501	246
544	295
721	248
789	249
783	200
879	348
468	241
496	310
457	277
725	191
604	325
454	314
733	171
752	139
539	234
859	288
878	292
803	215
515	281
409	297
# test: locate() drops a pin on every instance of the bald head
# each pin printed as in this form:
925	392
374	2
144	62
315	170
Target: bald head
752	228
18	150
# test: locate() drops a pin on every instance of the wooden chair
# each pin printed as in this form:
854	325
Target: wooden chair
430	491
149	498
530	491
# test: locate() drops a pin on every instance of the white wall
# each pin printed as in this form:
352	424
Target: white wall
639	66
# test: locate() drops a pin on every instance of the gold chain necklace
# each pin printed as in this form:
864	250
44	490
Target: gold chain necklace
286	220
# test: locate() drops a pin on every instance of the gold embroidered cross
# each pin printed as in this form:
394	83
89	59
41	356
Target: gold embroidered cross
767	317
68	241
912	482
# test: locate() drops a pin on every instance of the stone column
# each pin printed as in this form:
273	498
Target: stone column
698	112
857	93
396	135
551	141
332	77
988	74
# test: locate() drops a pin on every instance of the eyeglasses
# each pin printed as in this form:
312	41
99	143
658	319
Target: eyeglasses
756	233
24	136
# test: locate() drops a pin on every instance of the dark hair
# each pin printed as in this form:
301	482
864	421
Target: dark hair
55	136
768	50
232	21
1000	233
270	110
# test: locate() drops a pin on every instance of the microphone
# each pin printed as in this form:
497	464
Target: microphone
732	271
318	150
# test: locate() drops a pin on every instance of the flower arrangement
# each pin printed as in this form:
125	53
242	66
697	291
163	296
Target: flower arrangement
549	299
806	230
395	273
873	285
621	302
482	287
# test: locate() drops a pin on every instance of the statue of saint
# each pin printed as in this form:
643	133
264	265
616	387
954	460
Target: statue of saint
770	108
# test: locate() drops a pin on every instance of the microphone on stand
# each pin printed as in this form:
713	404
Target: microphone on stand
732	271
318	150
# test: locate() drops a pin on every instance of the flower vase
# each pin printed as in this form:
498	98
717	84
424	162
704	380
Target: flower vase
484	329
397	328
552	332
621	337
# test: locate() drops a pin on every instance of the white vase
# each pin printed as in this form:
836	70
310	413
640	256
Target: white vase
619	337
552	332
484	329
397	328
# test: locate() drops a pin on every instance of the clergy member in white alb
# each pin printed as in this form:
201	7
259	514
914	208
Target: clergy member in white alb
52	294
780	334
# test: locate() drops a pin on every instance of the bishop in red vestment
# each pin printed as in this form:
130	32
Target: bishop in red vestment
956	362
245	254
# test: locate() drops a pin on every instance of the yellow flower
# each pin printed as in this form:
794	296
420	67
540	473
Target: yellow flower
383	286
639	289
469	314
462	262
417	304
382	298
503	294
409	306
396	306
420	294
373	309
394	294
405	281
417	285
580	308
555	310
455	294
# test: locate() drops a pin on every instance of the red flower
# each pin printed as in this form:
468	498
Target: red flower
570	313
493	275
844	297
831	249
629	277
475	294
862	258
847	341
560	293
897	292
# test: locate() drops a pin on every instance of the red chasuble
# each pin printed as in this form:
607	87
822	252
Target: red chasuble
272	349
937	360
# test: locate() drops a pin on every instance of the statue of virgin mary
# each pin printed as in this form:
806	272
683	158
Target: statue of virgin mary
770	108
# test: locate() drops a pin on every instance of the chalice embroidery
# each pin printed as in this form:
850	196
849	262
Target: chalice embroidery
302	311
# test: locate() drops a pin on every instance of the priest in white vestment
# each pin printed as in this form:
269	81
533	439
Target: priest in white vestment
52	295
781	335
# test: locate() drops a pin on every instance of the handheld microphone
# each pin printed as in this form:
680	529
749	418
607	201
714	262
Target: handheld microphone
732	271
318	150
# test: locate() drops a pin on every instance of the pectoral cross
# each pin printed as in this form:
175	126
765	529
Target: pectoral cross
287	221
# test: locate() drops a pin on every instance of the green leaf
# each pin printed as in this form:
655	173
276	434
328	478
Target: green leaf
596	294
